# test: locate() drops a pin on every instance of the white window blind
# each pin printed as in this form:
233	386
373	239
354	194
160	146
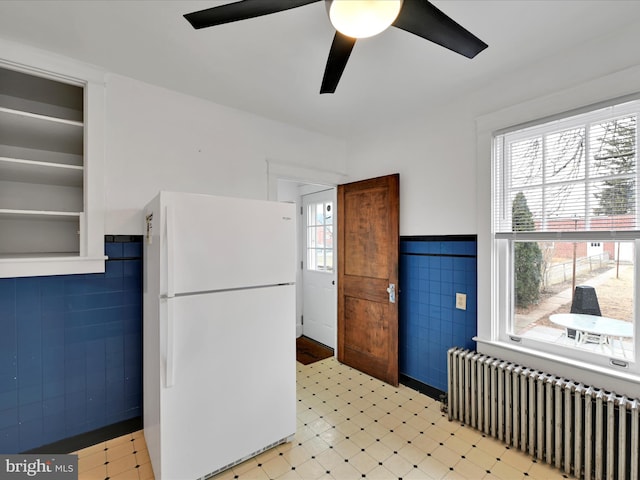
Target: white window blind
569	178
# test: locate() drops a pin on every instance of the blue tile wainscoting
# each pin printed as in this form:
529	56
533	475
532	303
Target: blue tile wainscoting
432	270
71	354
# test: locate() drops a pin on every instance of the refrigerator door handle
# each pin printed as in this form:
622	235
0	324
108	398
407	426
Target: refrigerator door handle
169	361
169	244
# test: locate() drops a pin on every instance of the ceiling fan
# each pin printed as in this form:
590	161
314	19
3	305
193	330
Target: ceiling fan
419	17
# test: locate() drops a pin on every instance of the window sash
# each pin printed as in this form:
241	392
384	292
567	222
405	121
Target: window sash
503	329
579	187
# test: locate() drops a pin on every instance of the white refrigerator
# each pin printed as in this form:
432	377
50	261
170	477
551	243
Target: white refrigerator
219	331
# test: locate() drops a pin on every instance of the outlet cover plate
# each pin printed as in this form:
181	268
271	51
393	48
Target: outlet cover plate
461	301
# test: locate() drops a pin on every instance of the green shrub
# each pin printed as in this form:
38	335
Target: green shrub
527	256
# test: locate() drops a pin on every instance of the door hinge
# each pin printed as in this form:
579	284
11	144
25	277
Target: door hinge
301	319
301	264
301	211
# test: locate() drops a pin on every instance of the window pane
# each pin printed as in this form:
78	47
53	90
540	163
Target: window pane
328	218
320	263
526	210
594	278
328	237
565	206
311	217
613	203
613	147
329	260
311	237
312	264
320	237
564	158
319	214
526	162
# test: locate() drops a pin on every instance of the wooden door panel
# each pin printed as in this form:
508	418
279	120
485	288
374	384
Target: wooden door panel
366	336
372	289
368	235
367	331
365	233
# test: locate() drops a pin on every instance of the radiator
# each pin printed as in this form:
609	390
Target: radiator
587	432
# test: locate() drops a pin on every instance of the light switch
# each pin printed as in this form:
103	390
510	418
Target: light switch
461	301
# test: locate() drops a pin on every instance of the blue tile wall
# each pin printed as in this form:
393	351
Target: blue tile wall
432	271
71	350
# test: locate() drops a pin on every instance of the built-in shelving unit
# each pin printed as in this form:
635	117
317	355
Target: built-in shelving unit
43	179
41	165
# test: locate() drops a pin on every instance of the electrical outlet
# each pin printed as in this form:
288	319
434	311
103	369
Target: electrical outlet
461	301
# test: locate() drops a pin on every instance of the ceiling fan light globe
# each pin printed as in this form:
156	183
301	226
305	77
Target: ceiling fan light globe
362	18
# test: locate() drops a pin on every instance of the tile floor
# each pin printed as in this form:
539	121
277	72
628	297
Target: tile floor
349	426
123	458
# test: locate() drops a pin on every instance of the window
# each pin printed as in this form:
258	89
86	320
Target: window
566	235
320	236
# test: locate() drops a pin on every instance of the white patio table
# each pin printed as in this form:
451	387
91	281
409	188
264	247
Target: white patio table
595	329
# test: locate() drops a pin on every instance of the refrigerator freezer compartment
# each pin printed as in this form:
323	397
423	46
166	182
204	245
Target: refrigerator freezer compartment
218	243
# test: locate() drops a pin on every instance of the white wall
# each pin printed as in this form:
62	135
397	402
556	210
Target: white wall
435	160
445	165
435	154
159	139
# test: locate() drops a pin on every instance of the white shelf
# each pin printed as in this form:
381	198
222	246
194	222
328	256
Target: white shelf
39	234
44	109
20	90
46	156
45	173
40	132
36	257
38	214
31	265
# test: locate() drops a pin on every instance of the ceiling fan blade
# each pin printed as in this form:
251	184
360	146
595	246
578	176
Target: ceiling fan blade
243	10
421	18
338	55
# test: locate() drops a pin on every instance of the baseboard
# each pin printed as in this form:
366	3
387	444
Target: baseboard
421	387
88	439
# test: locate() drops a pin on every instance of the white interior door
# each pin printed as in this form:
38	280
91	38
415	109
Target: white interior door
319	268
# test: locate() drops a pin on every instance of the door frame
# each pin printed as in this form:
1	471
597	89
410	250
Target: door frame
277	171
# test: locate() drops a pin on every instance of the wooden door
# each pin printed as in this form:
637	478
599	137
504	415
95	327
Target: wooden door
368	235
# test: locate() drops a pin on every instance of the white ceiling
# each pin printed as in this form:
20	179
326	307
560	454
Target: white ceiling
273	65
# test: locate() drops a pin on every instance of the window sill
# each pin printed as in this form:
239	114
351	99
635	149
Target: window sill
613	379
